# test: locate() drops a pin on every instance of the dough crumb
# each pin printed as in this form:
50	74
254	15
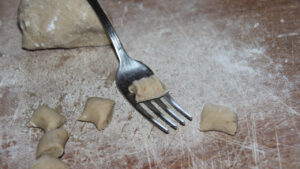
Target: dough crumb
46	119
52	143
218	118
48	162
147	88
98	111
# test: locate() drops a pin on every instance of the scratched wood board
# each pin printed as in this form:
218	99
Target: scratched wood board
241	54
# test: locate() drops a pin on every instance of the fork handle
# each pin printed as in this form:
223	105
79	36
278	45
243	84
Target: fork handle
109	29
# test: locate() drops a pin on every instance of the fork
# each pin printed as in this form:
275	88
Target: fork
130	70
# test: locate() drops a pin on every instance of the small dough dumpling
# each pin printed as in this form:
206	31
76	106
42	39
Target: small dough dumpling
46	118
48	162
52	143
218	118
98	111
147	88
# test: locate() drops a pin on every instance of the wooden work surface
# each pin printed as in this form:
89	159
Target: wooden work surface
243	54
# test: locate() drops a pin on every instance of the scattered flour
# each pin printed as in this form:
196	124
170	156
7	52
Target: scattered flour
27	23
51	25
286	60
83	15
141	6
287	34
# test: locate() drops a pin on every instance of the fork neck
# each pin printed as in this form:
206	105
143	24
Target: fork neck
116	43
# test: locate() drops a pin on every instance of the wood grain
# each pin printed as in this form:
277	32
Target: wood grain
244	54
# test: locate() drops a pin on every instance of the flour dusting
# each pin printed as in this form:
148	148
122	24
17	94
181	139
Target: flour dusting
51	25
83	15
287	34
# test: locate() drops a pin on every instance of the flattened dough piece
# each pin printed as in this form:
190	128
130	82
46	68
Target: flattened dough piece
48	162
218	118
59	24
147	88
52	143
98	111
46	118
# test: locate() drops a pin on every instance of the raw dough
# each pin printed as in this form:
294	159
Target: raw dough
52	143
48	162
218	118
59	24
98	111
147	88
46	118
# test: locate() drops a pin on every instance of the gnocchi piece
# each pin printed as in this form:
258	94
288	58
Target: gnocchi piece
147	88
52	143
48	162
218	118
98	111
46	118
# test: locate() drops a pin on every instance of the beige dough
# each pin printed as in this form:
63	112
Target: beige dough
52	143
48	162
147	88
59	24
218	118
98	111
46	118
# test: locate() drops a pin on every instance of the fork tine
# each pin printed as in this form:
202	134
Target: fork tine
169	111
160	115
177	107
150	118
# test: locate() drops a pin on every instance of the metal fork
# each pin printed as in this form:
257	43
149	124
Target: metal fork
130	70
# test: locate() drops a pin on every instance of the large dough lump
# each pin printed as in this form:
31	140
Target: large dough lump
46	118
218	118
59	24
98	111
52	143
48	162
147	88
